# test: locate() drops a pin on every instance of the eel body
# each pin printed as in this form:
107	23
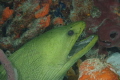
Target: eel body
46	57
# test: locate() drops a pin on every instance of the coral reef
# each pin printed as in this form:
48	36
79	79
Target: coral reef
22	20
7	12
114	61
81	9
104	21
95	69
109	34
102	12
25	22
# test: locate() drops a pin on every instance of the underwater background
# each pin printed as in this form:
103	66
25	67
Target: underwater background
23	20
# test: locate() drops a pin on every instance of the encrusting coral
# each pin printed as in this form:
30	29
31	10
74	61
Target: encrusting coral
104	21
94	69
7	12
81	9
27	21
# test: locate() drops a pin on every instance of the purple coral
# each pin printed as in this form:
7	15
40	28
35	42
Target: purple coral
109	34
105	9
105	21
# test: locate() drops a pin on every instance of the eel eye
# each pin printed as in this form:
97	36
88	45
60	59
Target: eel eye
70	32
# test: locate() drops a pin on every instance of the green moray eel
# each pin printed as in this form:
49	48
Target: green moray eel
46	57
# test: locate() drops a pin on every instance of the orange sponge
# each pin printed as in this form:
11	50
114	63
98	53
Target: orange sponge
94	69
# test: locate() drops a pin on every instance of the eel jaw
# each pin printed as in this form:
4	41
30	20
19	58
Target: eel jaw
79	54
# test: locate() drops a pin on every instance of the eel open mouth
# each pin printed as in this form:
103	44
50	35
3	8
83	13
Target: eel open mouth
79	45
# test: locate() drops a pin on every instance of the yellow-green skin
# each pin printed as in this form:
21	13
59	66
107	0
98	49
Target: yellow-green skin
46	56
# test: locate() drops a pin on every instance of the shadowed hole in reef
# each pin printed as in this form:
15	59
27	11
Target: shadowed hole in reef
113	35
